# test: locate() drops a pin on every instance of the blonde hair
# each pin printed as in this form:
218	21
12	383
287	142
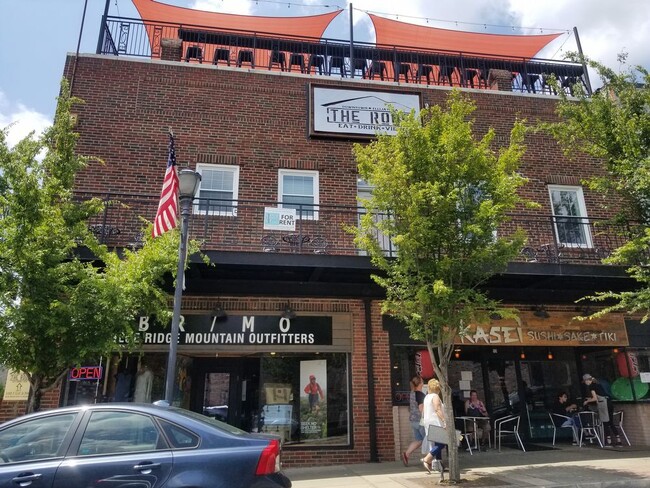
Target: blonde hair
433	386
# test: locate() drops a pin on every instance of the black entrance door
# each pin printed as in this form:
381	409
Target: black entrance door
227	389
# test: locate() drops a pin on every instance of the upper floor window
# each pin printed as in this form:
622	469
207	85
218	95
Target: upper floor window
570	216
218	191
299	190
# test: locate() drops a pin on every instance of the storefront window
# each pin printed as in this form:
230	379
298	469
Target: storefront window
304	398
624	374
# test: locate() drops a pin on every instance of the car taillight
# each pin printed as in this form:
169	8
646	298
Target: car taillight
269	459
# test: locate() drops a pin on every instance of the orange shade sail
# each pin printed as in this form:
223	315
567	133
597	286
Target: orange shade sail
396	33
307	26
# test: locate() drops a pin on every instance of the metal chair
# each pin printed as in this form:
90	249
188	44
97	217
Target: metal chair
378	67
297	59
279	58
221	54
402	69
508	426
245	56
339	63
589	426
194	52
618	421
562	418
426	71
318	62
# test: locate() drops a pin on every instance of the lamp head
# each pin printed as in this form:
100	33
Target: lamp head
188	183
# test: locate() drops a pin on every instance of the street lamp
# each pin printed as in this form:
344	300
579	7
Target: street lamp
188	184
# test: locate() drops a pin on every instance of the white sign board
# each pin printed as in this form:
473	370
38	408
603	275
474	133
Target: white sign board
279	218
645	377
17	386
357	112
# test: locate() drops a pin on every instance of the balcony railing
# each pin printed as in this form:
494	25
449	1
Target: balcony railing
238	225
334	57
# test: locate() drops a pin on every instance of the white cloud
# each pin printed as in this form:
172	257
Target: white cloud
20	120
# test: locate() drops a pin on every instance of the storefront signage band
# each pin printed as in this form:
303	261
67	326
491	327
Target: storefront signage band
513	335
242	330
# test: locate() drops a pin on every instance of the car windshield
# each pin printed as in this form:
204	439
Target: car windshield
209	421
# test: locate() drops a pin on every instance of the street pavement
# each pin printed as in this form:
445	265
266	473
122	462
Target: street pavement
564	467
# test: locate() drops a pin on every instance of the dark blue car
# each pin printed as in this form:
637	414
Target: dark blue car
125	445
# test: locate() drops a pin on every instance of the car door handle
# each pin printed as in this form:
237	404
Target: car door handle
146	468
26	478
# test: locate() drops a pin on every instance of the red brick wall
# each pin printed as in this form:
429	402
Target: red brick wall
259	120
12	409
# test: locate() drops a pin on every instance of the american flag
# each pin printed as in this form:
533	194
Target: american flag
167	214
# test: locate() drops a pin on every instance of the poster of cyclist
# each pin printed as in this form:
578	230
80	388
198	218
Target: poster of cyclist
313	399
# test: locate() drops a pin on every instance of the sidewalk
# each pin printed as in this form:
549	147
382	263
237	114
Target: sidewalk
566	467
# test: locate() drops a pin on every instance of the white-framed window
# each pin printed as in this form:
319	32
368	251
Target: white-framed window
570	216
299	189
218	191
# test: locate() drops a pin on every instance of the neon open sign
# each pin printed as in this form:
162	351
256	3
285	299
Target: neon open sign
82	373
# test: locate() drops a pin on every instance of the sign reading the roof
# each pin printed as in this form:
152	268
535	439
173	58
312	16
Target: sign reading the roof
360	113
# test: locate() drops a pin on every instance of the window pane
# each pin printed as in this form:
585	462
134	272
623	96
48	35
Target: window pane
298	185
213	201
304	398
178	436
35	439
571	229
565	202
212	179
118	432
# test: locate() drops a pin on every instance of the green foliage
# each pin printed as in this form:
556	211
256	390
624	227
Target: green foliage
57	309
614	126
446	194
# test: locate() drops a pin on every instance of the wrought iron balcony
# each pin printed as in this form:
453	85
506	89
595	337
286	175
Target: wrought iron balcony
238	225
334	57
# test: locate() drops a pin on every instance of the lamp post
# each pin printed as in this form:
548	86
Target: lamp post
188	184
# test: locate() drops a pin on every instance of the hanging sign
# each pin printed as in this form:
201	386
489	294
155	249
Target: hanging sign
364	113
16	387
279	218
84	373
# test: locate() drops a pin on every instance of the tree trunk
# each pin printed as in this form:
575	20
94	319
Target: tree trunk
441	366
34	403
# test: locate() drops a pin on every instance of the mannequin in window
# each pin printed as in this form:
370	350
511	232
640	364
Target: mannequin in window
143	383
123	381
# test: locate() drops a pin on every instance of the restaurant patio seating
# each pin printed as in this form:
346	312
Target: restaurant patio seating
589	427
556	417
505	426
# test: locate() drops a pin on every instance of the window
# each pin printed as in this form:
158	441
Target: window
569	211
119	432
218	191
178	436
299	190
35	439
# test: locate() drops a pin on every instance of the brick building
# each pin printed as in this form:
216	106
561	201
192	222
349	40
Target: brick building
282	304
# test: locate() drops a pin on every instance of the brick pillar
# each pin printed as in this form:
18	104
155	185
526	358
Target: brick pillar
500	79
172	49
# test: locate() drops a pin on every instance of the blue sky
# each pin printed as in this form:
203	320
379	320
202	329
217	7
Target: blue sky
36	34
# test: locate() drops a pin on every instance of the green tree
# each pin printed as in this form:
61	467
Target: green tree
440	195
613	125
58	310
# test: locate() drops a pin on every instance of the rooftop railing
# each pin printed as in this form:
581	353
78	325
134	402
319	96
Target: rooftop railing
238	225
335	57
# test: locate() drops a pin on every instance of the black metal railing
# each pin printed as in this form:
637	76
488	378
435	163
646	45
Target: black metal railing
238	225
332	57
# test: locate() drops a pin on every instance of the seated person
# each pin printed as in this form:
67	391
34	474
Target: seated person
563	407
475	408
